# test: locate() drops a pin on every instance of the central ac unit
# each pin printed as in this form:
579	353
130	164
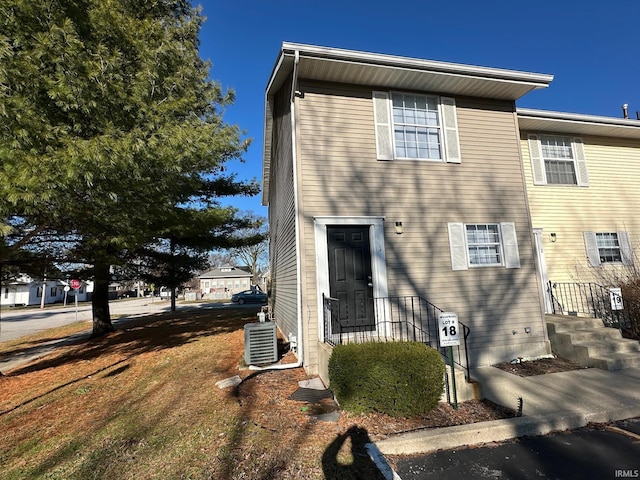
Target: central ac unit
260	343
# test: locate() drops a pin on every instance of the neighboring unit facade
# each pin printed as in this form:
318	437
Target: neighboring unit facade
221	283
360	147
583	177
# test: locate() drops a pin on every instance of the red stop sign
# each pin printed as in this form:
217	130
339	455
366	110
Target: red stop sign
75	284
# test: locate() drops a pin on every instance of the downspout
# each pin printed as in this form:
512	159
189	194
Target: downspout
296	208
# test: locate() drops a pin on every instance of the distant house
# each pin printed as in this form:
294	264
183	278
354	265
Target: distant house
222	282
27	291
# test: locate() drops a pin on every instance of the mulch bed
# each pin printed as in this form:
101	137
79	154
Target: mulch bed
541	366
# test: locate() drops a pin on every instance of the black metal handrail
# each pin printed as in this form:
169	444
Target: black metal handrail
410	318
596	301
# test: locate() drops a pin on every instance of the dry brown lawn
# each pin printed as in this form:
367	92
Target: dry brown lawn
141	403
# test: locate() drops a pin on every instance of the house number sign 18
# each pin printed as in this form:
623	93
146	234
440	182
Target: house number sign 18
448	329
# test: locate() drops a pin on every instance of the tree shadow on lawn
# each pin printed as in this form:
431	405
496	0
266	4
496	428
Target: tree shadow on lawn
143	334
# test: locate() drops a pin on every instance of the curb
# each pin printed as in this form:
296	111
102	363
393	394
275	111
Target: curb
428	441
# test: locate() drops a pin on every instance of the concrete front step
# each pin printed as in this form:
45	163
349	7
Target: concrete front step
588	342
616	361
584	336
600	348
561	324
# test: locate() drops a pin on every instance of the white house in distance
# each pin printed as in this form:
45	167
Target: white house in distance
27	291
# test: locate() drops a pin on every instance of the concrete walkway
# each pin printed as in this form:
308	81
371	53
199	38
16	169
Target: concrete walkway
551	402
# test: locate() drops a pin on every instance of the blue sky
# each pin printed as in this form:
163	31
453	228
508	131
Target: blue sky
590	47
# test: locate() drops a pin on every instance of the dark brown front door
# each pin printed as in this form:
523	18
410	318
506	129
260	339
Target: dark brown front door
350	277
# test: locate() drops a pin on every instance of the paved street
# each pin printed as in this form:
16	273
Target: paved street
20	322
581	454
17	323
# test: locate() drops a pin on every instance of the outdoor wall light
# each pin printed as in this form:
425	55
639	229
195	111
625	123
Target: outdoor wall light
399	228
553	238
527	329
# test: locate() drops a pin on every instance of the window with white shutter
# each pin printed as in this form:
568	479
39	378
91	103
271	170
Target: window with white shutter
416	127
608	247
558	160
483	245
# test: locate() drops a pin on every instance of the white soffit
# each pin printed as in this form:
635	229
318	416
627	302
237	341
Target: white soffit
577	124
393	72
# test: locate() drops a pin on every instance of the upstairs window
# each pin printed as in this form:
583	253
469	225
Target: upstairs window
559	164
416	127
557	160
608	247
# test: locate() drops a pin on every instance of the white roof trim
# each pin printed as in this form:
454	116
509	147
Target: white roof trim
407	62
577	124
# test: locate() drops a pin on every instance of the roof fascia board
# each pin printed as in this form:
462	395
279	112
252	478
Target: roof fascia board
578	123
576	117
310	51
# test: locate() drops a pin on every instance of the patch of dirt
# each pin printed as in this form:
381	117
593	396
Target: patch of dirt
267	395
542	366
262	390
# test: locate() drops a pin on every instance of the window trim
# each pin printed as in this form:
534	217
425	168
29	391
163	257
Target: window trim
538	160
384	127
459	246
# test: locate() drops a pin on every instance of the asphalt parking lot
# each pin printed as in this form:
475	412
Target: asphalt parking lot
595	452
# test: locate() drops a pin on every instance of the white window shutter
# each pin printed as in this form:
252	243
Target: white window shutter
591	245
450	130
458	246
510	244
382	116
581	162
537	164
625	248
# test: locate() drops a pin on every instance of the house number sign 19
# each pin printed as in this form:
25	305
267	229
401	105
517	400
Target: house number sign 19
448	329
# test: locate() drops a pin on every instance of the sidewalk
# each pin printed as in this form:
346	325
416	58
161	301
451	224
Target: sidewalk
551	402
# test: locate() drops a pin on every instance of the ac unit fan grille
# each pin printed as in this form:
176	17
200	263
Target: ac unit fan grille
260	343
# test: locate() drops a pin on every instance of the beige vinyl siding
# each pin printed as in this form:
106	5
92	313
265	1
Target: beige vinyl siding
340	176
609	204
283	261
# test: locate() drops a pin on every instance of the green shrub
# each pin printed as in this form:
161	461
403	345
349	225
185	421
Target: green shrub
400	379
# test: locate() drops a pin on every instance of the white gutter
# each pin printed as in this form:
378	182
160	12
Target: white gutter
296	208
